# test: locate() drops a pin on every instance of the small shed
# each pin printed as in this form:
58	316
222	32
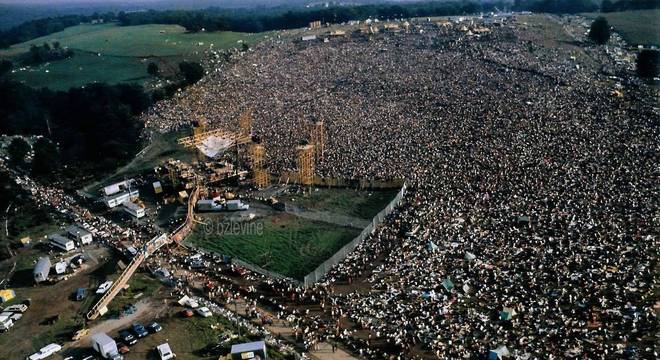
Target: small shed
247	351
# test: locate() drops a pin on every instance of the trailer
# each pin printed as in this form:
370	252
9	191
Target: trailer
62	243
105	346
236	205
41	270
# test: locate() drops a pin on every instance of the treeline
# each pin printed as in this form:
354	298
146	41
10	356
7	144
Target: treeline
556	6
261	20
624	5
257	20
93	128
45	53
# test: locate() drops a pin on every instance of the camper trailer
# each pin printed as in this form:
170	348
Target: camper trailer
41	270
62	243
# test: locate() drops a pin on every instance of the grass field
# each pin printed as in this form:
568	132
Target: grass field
114	54
359	204
286	244
638	27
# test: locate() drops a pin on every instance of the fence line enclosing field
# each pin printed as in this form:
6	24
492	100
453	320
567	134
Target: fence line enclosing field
321	270
314	276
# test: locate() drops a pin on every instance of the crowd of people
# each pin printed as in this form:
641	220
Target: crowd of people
530	216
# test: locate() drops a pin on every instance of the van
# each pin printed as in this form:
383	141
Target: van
80	294
165	352
104	287
45	352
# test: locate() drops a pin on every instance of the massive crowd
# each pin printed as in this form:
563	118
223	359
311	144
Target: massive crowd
531	212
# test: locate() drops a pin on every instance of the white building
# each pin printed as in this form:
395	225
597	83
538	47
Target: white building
82	236
134	209
61	242
118	193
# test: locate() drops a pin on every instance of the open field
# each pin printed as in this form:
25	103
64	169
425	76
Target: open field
283	243
115	54
638	27
49	301
360	204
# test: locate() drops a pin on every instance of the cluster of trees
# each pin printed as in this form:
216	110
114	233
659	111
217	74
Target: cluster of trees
599	31
624	5
94	127
190	72
648	63
23	212
277	19
556	6
45	53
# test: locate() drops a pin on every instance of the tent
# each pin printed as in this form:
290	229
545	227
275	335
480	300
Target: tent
432	247
507	313
6	295
448	285
499	353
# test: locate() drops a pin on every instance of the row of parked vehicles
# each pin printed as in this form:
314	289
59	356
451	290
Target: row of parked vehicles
110	349
10	315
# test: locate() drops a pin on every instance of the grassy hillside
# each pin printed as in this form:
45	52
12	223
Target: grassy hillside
113	54
638	27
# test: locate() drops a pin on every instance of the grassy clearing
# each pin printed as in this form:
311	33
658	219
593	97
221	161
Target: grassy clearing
114	54
192	338
361	204
638	27
285	244
140	284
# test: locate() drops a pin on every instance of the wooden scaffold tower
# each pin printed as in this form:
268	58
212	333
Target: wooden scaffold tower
305	164
261	176
317	137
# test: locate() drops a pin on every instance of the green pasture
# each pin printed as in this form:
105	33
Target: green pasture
115	54
637	27
286	244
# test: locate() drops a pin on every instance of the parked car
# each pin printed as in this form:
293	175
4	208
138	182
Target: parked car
80	294
104	287
154	327
165	351
187	313
192	303
139	330
17	308
123	348
204	312
127	337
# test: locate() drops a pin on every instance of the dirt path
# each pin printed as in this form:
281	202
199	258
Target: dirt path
143	308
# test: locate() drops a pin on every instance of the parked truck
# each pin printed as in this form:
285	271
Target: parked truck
106	346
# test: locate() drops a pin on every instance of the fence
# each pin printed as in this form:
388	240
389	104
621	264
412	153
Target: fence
321	270
260	270
314	276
